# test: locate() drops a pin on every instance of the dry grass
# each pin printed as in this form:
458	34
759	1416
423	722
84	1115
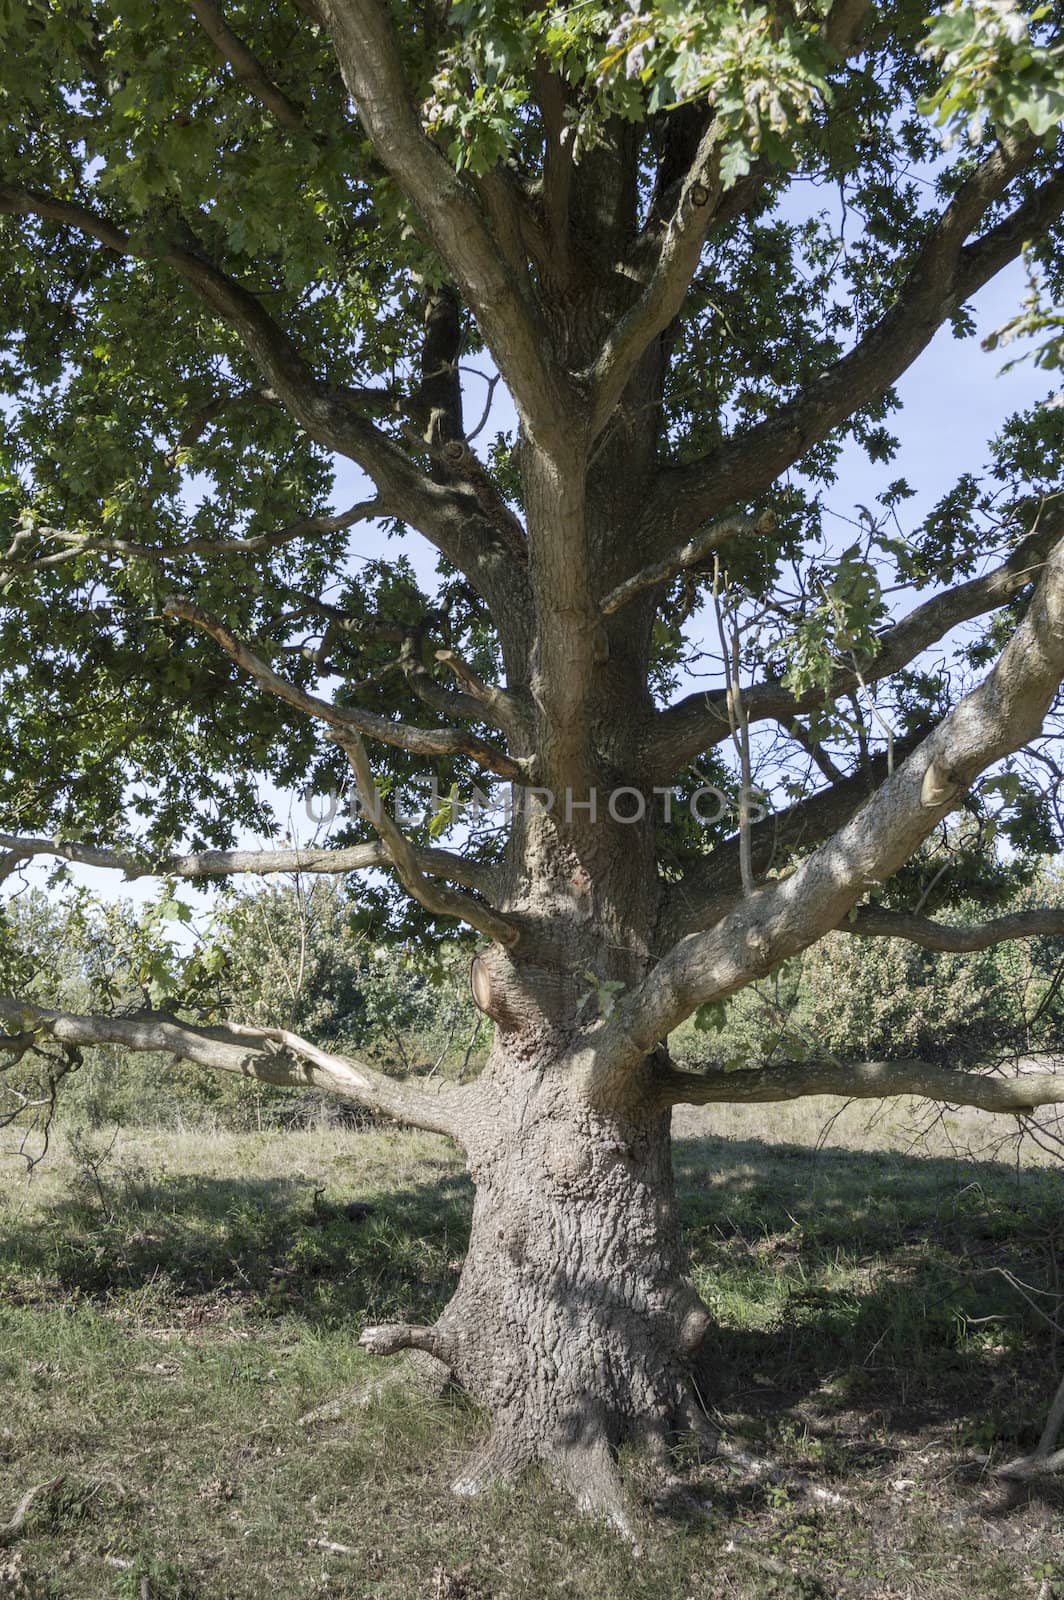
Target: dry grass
170	1309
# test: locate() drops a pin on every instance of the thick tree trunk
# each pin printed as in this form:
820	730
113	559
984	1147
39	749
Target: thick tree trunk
573	1322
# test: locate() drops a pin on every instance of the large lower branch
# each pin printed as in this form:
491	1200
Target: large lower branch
15	849
272	1055
873	922
865	1080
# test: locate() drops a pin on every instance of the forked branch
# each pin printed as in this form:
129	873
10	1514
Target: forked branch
700	721
368	52
945	274
337	417
434	897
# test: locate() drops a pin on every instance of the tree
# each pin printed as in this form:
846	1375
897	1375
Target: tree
241	242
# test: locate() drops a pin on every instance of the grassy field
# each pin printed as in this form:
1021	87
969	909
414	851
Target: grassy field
171	1306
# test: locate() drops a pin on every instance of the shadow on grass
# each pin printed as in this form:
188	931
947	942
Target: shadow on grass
273	1245
841	1282
874	1287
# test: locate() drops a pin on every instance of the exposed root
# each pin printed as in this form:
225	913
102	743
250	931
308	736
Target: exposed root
499	1462
1044	1461
585	1464
416	1370
1036	1465
9	1531
697	1424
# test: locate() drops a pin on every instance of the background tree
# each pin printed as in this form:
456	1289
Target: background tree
241	243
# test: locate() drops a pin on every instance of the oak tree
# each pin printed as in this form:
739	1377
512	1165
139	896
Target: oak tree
696	246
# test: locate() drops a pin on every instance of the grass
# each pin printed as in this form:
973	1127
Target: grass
171	1306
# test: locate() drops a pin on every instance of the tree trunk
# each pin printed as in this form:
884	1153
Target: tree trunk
573	1321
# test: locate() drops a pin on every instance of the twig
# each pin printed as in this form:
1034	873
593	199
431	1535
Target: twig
9	1531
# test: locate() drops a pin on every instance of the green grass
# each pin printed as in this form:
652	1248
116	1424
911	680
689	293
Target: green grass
169	1310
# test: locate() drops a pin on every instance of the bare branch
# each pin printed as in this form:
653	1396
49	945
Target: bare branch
230	863
864	1080
701	720
686	556
271	1055
418	741
945	274
246	64
874	922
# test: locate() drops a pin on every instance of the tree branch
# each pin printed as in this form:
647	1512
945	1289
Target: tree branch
675	266
271	1055
686	556
77	544
246	64
697	203
698	721
864	1080
781	918
476	875
333	417
440	901
712	885
429	742
945	274
875	922
369	58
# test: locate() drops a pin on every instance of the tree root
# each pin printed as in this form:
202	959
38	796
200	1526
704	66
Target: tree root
10	1531
1044	1460
416	1371
499	1462
1036	1465
584	1463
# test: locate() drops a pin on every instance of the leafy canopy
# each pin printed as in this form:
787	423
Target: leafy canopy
136	421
